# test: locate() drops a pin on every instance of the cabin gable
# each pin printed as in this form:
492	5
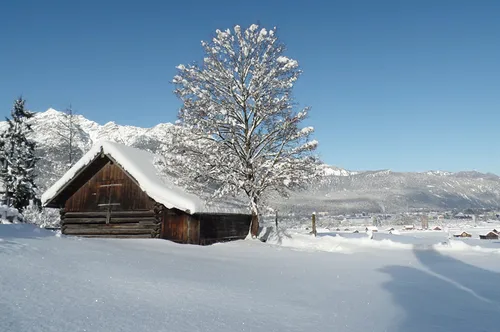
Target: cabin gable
110	188
84	175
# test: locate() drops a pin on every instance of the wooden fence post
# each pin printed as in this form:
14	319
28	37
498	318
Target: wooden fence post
276	220
314	224
425	222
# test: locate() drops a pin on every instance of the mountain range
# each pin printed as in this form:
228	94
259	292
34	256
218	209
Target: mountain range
337	191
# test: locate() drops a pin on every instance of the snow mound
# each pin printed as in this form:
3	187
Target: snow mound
332	242
461	246
9	215
355	242
24	231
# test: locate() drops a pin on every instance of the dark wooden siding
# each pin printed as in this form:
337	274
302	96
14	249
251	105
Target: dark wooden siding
143	224
109	184
489	236
193	227
223	227
180	227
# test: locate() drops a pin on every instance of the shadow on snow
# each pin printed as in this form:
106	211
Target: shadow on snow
447	295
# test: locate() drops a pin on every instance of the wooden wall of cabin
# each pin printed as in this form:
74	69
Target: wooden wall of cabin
110	204
110	185
223	227
180	227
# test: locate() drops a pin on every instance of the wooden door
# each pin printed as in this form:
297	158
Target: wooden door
193	227
180	227
108	198
173	226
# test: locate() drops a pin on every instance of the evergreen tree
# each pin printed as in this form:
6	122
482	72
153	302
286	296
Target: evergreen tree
17	157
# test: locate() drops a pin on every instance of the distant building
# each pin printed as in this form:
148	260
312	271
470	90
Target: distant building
425	222
462	234
493	235
460	215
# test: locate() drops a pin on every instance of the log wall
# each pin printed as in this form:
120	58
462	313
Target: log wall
223	227
122	224
180	227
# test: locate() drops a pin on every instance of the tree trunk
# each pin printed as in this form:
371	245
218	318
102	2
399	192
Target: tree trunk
254	224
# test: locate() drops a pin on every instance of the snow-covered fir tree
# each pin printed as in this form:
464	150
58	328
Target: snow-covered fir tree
17	157
247	134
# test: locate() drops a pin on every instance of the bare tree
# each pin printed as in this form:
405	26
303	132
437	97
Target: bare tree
66	130
245	132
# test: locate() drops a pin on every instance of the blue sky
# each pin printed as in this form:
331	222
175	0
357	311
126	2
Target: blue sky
403	85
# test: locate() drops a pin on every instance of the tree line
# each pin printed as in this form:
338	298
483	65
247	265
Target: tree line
18	159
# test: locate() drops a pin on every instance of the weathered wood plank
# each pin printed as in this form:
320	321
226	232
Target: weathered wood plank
110	226
97	214
106	184
214	228
129	236
113	220
101	231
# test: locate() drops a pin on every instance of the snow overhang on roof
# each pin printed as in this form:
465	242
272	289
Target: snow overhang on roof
139	164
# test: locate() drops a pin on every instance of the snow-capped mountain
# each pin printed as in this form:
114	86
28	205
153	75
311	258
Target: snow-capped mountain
50	133
337	191
387	191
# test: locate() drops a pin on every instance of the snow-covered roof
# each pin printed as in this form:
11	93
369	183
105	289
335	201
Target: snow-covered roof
140	165
461	232
490	232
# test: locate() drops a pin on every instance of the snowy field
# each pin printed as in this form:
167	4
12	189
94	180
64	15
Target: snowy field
411	281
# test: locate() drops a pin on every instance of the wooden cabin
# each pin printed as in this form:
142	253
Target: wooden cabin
116	191
462	234
489	236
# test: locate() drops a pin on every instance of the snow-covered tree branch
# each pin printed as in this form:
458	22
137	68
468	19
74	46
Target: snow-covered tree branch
238	106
